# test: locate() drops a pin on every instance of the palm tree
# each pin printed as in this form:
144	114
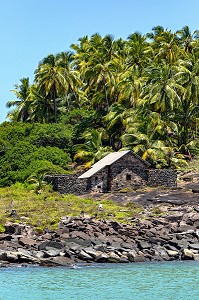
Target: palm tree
72	77
92	150
160	90
23	102
188	108
139	51
186	38
49	77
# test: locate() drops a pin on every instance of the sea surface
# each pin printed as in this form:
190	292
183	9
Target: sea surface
138	281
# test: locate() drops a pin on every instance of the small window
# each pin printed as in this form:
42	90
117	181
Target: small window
99	187
128	177
96	178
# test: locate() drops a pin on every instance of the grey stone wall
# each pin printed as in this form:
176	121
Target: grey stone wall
69	184
127	179
99	182
129	171
162	177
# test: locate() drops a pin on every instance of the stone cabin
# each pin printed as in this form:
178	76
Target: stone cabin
114	172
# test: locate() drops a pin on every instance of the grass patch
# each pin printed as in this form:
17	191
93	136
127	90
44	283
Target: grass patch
44	210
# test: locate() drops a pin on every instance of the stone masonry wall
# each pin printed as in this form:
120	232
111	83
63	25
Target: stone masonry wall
99	181
127	179
69	184
130	166
162	177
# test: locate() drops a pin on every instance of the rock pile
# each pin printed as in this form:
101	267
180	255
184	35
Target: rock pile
174	236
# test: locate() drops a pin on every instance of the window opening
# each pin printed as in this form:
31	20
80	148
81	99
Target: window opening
128	177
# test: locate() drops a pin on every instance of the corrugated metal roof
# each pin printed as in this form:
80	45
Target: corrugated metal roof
107	161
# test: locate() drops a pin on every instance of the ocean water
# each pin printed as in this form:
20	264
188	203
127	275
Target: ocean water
138	281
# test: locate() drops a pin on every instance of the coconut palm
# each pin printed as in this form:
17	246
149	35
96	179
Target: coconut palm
92	150
161	90
186	38
49	77
187	111
23	102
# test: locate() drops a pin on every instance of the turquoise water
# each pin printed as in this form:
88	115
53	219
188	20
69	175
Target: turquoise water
140	281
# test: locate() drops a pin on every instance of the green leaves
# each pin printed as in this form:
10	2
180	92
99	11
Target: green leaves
113	94
29	149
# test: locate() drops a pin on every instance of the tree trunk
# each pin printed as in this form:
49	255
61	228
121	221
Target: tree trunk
54	104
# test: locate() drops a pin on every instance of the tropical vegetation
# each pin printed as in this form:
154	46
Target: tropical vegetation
106	95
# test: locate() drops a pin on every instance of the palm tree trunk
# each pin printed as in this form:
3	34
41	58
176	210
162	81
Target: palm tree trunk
54	104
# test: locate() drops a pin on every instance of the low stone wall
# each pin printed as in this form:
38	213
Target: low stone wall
162	177
68	184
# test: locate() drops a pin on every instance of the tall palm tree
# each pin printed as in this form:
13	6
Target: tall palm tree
50	79
188	108
186	38
72	82
160	90
23	102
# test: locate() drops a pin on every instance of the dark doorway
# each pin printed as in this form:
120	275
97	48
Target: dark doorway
128	177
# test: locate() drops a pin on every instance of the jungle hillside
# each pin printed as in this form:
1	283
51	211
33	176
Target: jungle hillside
105	95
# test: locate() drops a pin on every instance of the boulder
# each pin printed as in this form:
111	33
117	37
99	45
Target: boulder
144	245
194	246
12	256
50	244
92	252
51	253
196	256
85	256
160	253
102	258
132	255
187	254
57	261
38	254
114	258
26	242
172	253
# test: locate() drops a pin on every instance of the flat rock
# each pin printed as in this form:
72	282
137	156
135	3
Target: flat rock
172	253
196	256
25	241
85	256
194	246
144	245
113	257
50	244
51	253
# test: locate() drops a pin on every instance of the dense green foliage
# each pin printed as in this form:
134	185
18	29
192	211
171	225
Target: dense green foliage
28	149
105	95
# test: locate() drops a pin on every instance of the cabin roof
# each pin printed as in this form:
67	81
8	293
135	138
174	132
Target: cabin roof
107	161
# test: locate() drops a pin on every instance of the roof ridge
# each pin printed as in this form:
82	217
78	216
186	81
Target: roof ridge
107	161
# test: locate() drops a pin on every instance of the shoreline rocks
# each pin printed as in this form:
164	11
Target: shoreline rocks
173	236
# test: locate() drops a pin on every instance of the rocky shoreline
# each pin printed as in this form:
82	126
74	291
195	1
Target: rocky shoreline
173	235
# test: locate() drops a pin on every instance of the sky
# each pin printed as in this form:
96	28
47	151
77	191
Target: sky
32	29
